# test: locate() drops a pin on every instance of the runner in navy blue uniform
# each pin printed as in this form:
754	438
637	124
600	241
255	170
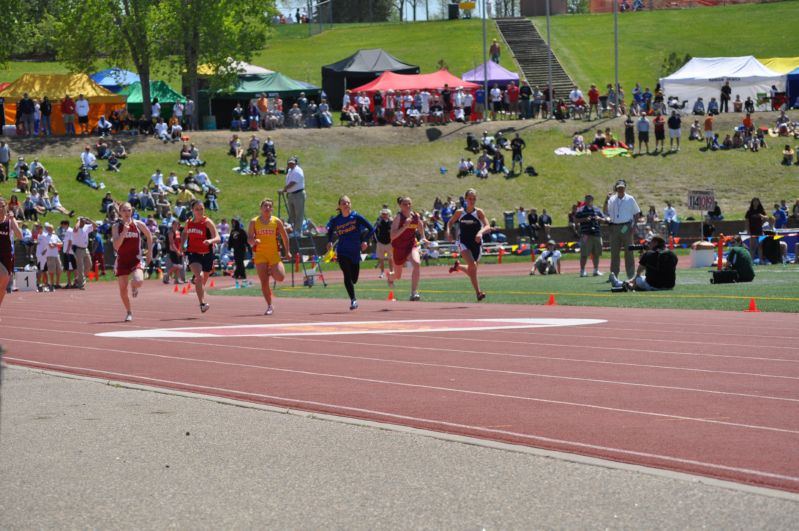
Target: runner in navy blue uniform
472	225
8	226
353	232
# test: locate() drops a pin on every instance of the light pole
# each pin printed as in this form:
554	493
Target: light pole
485	64
616	53
549	64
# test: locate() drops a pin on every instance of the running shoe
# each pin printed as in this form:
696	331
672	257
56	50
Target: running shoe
455	267
583	274
380	276
134	292
598	273
269	310
480	296
354	305
128	317
415	296
204	307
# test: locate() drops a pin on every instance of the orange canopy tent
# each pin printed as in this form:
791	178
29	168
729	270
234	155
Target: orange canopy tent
55	87
395	82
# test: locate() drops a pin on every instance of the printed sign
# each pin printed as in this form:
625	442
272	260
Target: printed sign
701	200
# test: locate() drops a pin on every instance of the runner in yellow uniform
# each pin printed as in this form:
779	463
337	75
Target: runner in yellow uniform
262	235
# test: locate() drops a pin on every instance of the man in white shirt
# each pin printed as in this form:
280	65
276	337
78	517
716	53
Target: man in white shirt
69	256
87	158
205	182
50	245
575	94
82	110
80	244
162	131
496	101
295	194
670	218
623	212
548	262
157	180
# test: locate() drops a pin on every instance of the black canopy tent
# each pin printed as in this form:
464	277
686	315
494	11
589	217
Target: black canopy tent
359	69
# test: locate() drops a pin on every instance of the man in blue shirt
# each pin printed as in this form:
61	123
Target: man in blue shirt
589	217
780	217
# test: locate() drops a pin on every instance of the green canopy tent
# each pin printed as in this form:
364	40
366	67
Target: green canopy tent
251	87
167	97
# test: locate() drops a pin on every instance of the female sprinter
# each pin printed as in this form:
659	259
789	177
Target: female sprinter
262	236
472	225
201	235
407	224
7	225
126	237
353	232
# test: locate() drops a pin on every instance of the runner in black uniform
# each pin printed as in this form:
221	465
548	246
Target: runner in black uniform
472	225
7	225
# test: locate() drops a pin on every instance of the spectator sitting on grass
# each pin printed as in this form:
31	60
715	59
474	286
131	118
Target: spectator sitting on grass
545	223
255	165
175	129
146	201
107	200
699	107
463	168
578	143
162	206
234	147
210	201
548	262
119	150
104	127
739	259
205	182
787	155
102	150
190	182
270	165
172	183
482	165
161	131
133	198
113	163
244	165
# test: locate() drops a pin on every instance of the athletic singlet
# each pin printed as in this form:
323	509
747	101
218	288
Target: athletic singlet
196	233
469	225
177	242
266	251
130	250
407	239
6	247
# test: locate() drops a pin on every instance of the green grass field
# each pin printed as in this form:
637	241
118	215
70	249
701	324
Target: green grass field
584	44
775	289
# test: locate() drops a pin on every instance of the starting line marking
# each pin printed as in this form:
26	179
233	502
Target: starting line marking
351	328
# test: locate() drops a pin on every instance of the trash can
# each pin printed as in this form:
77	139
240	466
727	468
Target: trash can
509	215
453	11
209	123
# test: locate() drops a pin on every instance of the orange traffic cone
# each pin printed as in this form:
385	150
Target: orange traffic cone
752	306
391	296
185	289
551	301
212	283
176	288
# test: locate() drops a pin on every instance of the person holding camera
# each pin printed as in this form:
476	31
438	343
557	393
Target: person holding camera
589	217
622	212
657	269
80	246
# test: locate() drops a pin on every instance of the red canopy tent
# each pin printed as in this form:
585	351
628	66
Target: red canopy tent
395	82
3	86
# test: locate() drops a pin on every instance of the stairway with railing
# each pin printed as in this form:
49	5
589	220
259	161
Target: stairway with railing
529	50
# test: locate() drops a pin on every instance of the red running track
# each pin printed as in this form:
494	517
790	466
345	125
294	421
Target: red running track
709	393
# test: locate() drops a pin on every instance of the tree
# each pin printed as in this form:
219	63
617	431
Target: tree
128	35
210	32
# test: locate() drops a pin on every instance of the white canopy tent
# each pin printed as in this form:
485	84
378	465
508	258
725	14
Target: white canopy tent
704	76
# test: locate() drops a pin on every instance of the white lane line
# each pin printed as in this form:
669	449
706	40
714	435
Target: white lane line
532	437
438	388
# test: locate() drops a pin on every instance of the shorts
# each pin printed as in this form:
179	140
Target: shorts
269	260
675	133
660	134
69	118
7	263
709	135
590	245
497	106
205	260
122	269
401	255
383	249
643	136
175	258
70	263
475	248
83	119
53	265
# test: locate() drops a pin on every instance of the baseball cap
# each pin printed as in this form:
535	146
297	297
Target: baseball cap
621	183
551	242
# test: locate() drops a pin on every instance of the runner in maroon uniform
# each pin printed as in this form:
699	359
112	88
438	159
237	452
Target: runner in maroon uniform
407	224
201	235
7	225
126	237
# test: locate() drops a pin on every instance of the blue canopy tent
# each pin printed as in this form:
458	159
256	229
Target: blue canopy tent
792	88
114	79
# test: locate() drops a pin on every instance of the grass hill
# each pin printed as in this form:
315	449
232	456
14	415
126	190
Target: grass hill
584	44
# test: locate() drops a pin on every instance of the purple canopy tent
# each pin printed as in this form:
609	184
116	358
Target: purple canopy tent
496	74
